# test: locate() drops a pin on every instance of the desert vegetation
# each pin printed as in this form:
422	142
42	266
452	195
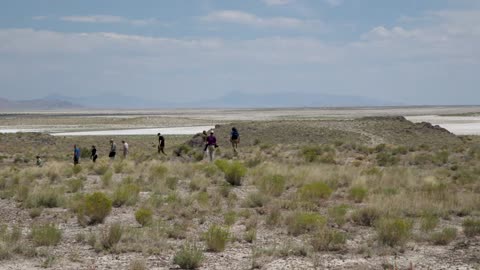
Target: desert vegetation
342	200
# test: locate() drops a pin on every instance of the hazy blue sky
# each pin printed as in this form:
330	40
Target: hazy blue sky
409	51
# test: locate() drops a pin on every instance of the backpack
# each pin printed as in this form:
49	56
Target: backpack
235	134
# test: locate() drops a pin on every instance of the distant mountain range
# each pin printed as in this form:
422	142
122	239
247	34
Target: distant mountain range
36	104
231	100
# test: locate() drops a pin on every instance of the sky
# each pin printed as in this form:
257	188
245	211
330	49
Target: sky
405	51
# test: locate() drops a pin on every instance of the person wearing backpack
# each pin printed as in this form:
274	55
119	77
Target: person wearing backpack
76	155
234	139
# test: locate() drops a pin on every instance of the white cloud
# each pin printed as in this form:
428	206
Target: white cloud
442	54
107	19
334	3
40	18
277	2
240	17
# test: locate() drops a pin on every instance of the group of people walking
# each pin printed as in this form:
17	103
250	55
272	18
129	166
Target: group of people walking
93	152
209	140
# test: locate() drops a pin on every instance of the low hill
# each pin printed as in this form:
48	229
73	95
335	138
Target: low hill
371	130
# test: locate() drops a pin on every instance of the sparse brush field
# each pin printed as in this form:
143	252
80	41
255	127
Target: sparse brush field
363	194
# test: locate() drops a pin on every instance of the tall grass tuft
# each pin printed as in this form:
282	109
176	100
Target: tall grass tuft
46	235
216	238
188	257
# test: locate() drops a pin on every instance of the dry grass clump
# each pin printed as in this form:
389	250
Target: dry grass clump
46	235
324	154
366	216
273	185
157	172
188	257
10	239
111	236
327	239
273	217
471	227
125	194
302	222
107	178
393	231
229	218
216	238
444	237
74	185
428	222
256	199
337	214
45	197
137	264
101	166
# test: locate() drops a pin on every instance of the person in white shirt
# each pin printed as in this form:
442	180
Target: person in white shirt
125	149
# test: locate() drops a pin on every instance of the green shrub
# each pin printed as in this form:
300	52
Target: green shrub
324	154
328	240
366	216
471	227
337	214
46	235
393	231
303	222
444	237
188	257
386	159
400	150
125	194
358	194
428	222
314	192
216	238
273	185
107	178
85	152
111	236
233	171
74	185
229	218
143	216
96	207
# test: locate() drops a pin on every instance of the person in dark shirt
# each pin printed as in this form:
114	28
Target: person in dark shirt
94	155
234	139
161	144
113	150
211	145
